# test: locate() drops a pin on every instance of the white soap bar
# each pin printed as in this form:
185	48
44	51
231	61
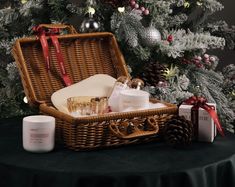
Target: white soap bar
99	85
156	105
151	106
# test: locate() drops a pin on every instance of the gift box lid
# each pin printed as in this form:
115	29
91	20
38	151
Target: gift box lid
188	107
84	55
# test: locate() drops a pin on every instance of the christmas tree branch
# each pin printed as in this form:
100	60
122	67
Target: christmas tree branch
188	41
210	83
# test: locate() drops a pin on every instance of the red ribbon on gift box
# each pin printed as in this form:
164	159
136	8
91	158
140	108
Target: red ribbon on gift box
52	32
198	102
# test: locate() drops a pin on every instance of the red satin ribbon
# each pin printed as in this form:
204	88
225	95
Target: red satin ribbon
201	102
52	33
60	60
41	33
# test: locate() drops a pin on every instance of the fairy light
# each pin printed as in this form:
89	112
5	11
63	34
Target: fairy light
91	10
186	4
121	9
24	1
199	3
25	100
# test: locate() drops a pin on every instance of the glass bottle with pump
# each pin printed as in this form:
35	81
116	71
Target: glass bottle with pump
137	84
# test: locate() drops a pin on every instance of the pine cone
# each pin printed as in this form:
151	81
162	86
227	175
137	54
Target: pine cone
178	131
153	73
162	119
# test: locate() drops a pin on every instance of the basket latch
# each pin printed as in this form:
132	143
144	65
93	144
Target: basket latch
132	129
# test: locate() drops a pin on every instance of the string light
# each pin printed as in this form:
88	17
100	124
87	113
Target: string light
24	1
233	93
91	10
25	100
186	4
199	3
121	9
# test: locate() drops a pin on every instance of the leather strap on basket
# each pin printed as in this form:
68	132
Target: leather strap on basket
52	32
152	129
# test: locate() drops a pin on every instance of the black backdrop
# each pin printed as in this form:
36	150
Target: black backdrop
227	14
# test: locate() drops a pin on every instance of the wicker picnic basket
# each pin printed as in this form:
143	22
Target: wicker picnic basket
84	56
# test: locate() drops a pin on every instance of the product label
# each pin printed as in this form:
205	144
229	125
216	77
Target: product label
137	104
117	89
38	136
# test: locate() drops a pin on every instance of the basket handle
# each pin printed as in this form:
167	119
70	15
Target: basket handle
150	122
70	28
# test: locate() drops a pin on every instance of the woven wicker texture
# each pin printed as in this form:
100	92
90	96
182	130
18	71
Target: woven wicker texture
84	55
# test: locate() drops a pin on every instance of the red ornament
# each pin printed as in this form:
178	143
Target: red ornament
137	6
185	61
206	56
133	3
142	9
170	38
212	59
146	12
162	84
199	65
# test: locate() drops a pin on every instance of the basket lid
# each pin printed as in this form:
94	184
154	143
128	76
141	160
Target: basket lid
84	55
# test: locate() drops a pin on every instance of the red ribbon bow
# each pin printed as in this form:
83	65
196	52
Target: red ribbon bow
201	102
41	30
52	32
196	101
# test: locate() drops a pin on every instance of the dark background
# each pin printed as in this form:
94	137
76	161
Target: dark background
228	15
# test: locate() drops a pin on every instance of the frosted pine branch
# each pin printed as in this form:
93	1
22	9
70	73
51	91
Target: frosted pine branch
7	16
188	41
127	27
212	5
176	21
29	6
160	13
142	53
221	29
210	84
6	44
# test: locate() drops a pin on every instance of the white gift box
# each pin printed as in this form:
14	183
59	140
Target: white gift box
206	130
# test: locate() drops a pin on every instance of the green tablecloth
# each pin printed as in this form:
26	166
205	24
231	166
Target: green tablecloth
150	165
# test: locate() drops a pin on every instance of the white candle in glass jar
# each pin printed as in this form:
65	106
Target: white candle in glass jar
38	133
